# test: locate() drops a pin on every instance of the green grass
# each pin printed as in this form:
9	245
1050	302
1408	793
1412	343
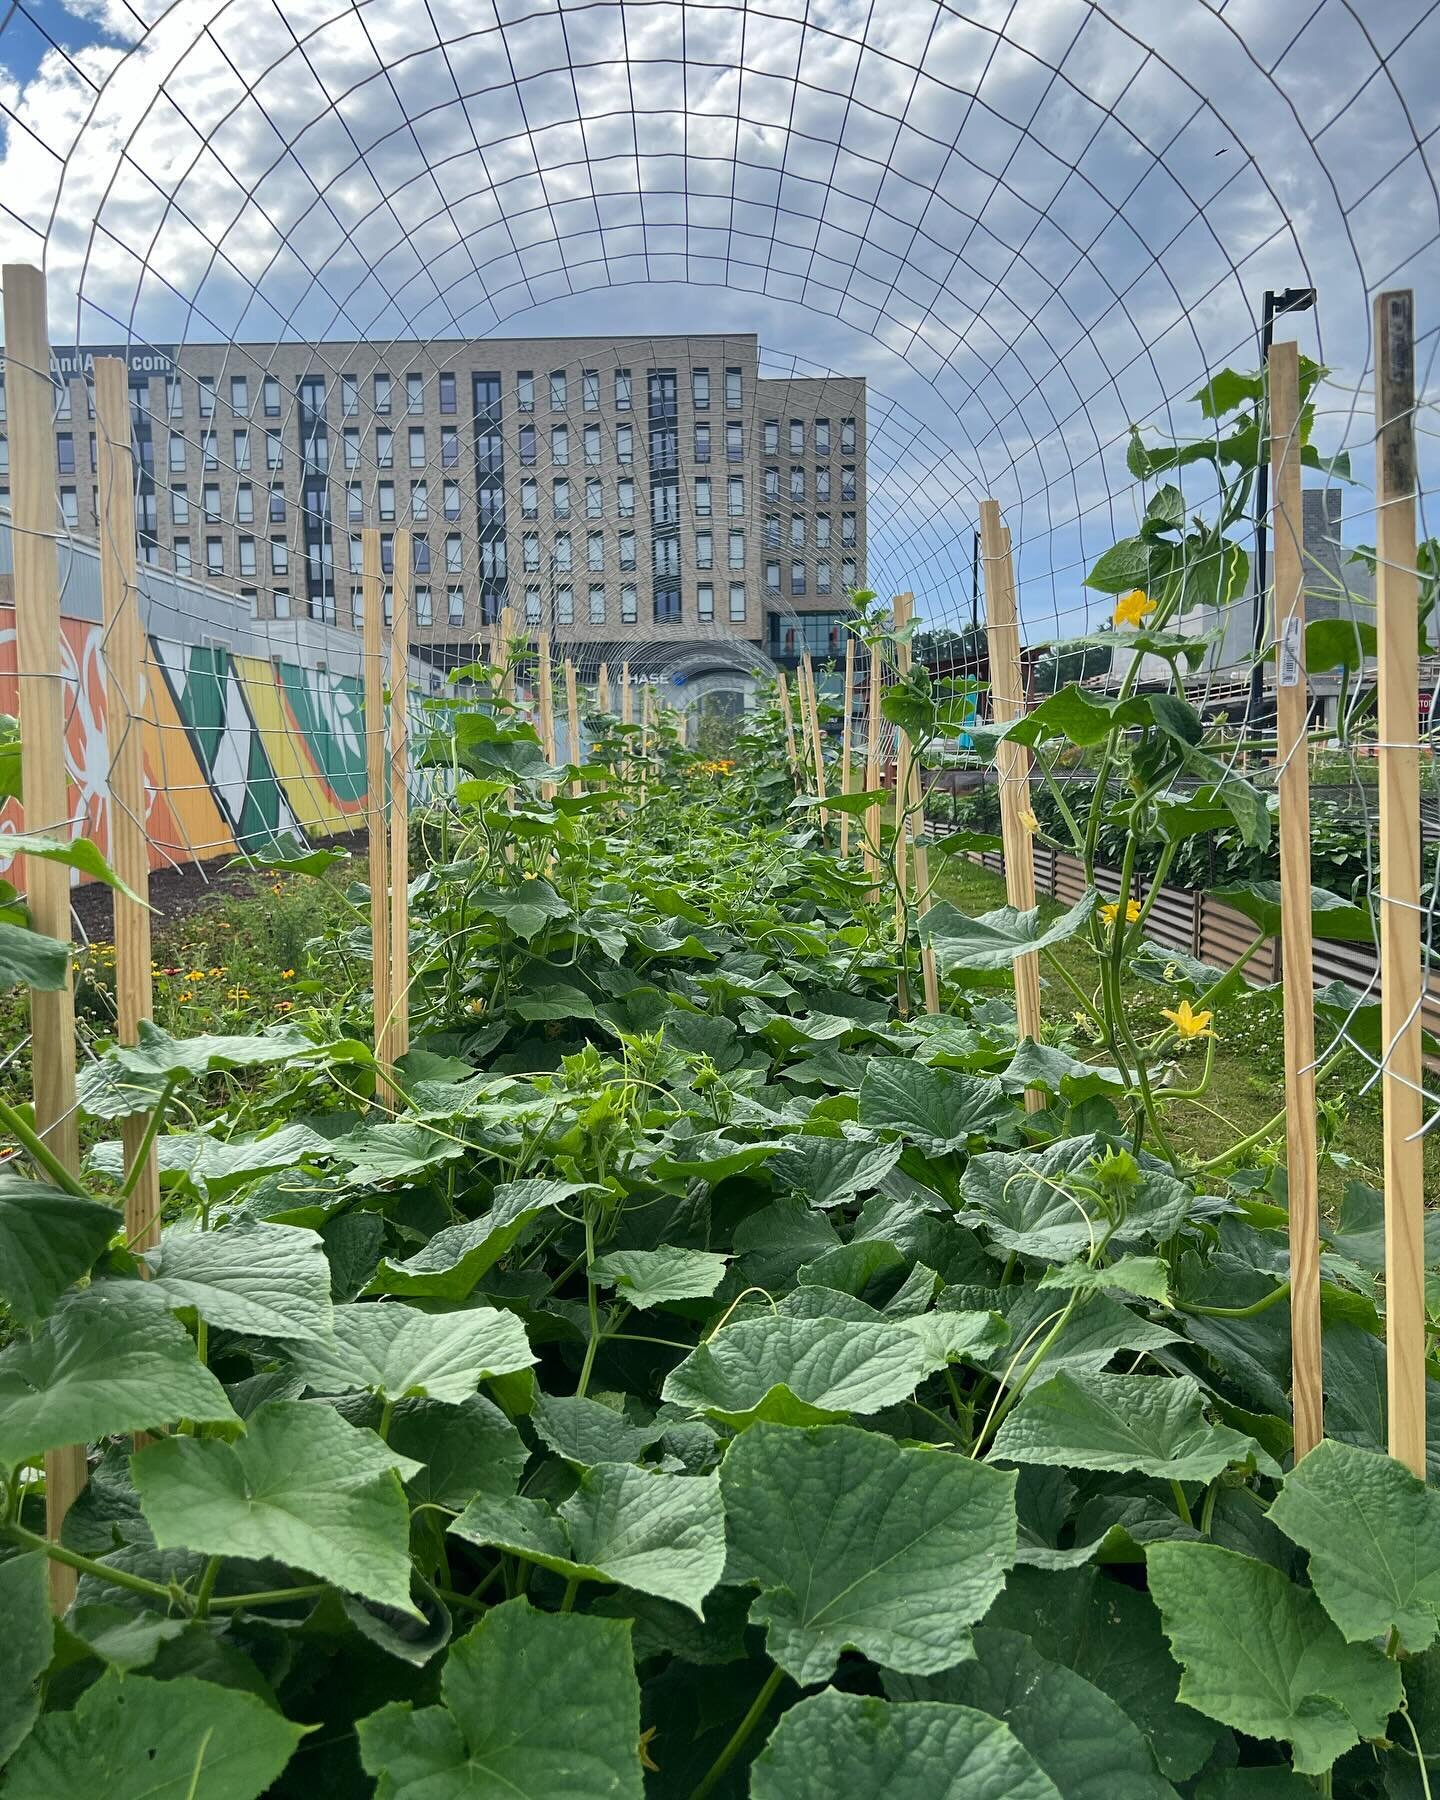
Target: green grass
1247	1086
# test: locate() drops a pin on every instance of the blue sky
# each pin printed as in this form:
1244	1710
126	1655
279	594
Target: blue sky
1027	224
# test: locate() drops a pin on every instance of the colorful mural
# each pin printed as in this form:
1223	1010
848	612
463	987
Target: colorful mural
238	750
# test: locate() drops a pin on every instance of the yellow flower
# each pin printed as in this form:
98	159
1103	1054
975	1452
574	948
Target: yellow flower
1029	821
476	1006
284	1006
1132	608
196	975
287	974
1110	911
187	995
220	971
1189	1023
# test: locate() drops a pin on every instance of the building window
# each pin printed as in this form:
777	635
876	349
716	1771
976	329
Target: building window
210	502
822	531
382	393
417	446
734	443
735	496
732	390
737	550
274	451
532	606
702	497
847	483
560	497
177	454
453	553
239	395
704	550
527	445
797	531
625	443
560	445
597	603
797	437
822	437
665	558
492	558
247	556
240	449
385	501
564	604
387	558
705	602
771	537
354	503
700	387
450	495
214	556
277	504
562	551
529	499
623	390
180	505
702	443
848	574
557	390
822	577
530	551
414	393
279	556
244	504
797	578
797	482
419	502
667	606
349	396
270	397
772	577
772	436
282	603
847	437
590	381
357	554
822	485
384	447
424	608
447	392
420	554
629	605
737	601
595	498
65	452
207	396
525	390
847	528
592	444
455	605
209	455
174	397
595	550
627	549
449	446
182	556
772	484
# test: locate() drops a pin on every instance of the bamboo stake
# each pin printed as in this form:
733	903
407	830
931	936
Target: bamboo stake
1007	701
505	633
873	720
399	1033
572	719
627	715
373	650
783	687
1292	710
909	812
123	648
644	734
602	689
1396	608
847	733
810	712
547	708
42	767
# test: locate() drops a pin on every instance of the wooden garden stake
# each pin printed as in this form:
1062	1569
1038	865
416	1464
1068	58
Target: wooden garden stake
783	688
602	689
507	666
42	767
1292	719
373	646
1007	701
123	648
399	1026
909	814
810	711
626	709
547	708
1396	619
873	721
847	732
572	719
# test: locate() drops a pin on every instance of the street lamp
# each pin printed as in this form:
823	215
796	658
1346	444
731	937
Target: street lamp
1292	299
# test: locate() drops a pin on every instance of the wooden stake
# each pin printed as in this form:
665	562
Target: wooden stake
1292	719
627	715
572	719
503	658
123	649
372	589
1396	607
873	722
789	717
909	813
399	1033
43	795
546	697
847	732
810	711
602	689
1007	701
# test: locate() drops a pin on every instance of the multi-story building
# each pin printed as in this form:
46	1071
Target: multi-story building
608	490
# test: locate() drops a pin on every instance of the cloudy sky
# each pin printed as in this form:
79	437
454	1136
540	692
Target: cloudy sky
1027	223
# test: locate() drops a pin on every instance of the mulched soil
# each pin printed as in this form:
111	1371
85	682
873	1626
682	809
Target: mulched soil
176	893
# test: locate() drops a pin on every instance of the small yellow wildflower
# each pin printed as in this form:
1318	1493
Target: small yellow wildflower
1029	821
1110	911
196	975
187	995
220	971
476	1006
287	974
284	1006
1132	608
1187	1022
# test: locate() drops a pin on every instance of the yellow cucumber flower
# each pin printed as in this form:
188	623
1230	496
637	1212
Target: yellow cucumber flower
1133	608
1188	1023
1110	911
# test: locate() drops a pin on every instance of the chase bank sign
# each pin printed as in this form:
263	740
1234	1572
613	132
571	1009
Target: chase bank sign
69	364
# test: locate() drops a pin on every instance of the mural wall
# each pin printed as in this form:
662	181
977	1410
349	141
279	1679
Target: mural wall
238	749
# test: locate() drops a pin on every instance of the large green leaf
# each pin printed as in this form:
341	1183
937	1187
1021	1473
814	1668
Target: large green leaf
537	1706
457	1256
586	1432
1373	1534
75	853
134	1738
394	1150
257	1279
1088	1746
660	1534
800	1371
857	1543
1089	1340
1146	1424
936	1109
1040	1204
1110	1634
398	1350
48	1240
25	1643
301	1486
1330	915
1070	713
856	1746
995	939
1259	1654
109	1359
645	1278
830	1170
30	959
465	1450
131	1078
527	907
